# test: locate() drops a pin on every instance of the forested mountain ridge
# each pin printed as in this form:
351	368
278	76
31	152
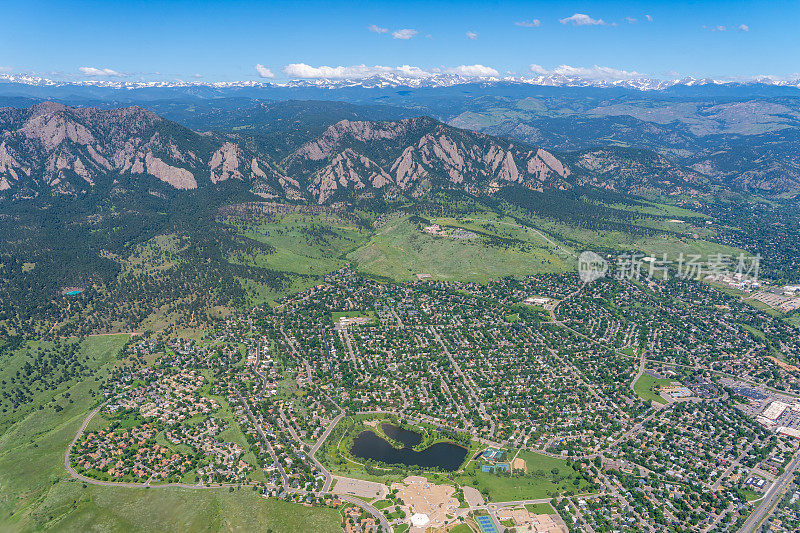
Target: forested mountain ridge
742	135
50	148
55	150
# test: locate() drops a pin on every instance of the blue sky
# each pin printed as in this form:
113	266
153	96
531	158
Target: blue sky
224	41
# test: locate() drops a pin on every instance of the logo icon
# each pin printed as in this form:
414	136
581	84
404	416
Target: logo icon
591	266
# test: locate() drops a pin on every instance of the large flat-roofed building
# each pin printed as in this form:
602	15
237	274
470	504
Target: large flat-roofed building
791	432
774	410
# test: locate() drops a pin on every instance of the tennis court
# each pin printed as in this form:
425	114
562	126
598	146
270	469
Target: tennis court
486	524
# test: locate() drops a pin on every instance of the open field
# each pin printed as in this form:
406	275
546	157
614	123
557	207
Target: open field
546	475
336	315
36	492
526	244
400	250
301	243
643	387
304	246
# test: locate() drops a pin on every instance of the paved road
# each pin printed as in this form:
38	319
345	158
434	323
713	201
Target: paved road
577	512
467	382
772	496
397	317
272	453
369	508
733	465
255	368
314	449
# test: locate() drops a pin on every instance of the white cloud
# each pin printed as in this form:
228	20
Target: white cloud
649	18
631	20
301	70
198	76
579	19
377	29
740	27
471	35
404	34
472	71
263	71
590	73
304	71
535	23
93	71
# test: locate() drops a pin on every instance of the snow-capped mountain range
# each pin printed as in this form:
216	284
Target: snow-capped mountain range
642	83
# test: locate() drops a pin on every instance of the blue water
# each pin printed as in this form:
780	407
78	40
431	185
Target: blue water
444	455
73	293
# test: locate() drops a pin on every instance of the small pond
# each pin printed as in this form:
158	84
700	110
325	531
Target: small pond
443	455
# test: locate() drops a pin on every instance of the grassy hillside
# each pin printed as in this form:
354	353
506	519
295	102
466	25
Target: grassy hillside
302	244
479	243
400	250
250	256
37	493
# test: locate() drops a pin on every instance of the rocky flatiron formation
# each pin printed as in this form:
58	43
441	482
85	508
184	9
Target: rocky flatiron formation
63	151
53	150
66	151
410	156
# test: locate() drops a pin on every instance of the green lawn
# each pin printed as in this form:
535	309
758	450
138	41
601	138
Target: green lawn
381	504
643	387
37	493
540	508
336	315
539	482
461	528
751	495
